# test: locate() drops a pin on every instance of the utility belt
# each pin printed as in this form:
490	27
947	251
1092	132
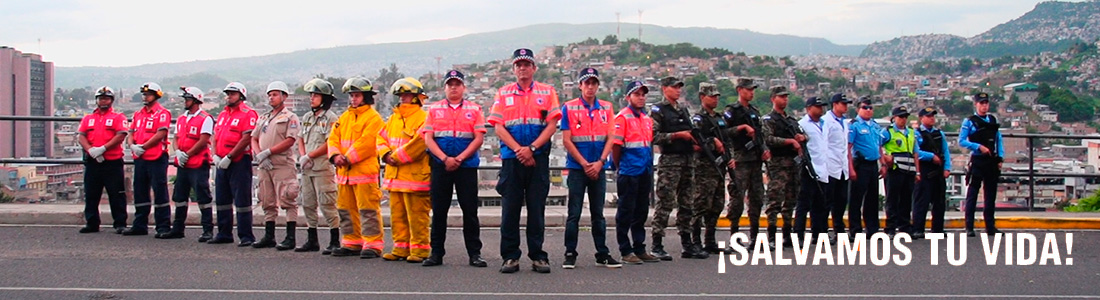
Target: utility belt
930	169
985	161
860	161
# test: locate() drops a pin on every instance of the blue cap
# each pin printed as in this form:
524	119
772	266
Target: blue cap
815	101
927	111
981	97
587	73
454	74
523	54
634	86
838	98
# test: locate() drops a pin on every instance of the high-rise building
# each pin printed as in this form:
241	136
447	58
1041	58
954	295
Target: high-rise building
26	89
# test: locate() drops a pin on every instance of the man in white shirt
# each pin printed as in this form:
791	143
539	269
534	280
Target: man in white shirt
837	134
814	195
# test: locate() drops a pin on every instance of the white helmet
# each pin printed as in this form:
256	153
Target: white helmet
191	92
278	86
105	91
236	87
152	87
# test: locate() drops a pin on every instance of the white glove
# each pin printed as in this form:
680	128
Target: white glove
305	162
182	158
99	159
138	150
224	163
266	165
262	155
97	152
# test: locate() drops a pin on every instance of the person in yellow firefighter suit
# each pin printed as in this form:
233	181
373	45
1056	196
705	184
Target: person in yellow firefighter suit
407	173
351	148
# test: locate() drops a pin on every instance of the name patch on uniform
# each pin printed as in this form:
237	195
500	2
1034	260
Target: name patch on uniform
91	122
109	122
509	101
194	130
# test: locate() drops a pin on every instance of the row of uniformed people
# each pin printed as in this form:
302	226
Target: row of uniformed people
425	150
819	165
451	132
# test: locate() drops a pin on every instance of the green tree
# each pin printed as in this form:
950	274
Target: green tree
610	40
965	65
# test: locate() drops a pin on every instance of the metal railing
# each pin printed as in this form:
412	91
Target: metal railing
1030	174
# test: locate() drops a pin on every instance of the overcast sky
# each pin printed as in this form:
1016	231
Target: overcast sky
125	33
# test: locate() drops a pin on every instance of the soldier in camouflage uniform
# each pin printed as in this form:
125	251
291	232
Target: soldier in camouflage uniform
750	152
672	133
318	181
783	137
710	193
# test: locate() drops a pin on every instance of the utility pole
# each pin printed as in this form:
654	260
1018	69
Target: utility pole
618	25
640	25
438	72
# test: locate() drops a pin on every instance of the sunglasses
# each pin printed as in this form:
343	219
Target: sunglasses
866	107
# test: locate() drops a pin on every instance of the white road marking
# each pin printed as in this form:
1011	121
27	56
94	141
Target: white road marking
496	294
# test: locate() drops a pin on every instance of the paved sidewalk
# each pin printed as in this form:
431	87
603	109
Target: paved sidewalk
72	214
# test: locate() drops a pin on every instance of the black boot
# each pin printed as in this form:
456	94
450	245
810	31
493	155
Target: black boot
288	243
699	253
771	236
659	249
268	240
787	241
754	231
687	248
333	241
311	242
207	234
709	241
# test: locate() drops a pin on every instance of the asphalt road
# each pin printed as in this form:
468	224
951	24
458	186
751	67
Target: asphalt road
51	262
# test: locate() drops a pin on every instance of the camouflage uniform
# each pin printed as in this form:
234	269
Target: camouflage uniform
709	195
783	180
674	170
748	176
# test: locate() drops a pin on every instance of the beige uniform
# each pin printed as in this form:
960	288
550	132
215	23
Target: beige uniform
278	185
318	181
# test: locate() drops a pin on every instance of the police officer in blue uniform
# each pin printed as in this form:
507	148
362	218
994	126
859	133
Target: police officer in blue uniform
980	133
865	145
935	166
